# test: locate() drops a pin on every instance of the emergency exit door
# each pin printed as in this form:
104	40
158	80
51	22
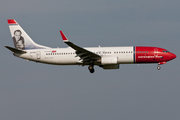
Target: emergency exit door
38	55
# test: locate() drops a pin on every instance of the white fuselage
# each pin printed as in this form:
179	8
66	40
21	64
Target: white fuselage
67	56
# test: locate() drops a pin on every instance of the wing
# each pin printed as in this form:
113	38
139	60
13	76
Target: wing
85	55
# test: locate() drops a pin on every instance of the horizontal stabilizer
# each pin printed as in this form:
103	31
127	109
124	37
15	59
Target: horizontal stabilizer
14	50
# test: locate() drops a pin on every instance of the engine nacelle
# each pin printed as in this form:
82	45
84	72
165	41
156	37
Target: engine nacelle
116	66
108	60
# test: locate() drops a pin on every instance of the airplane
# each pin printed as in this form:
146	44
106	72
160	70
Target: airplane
105	57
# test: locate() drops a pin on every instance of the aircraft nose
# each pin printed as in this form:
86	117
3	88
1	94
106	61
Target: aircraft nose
173	56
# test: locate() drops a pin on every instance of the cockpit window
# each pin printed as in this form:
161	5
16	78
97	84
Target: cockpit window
165	51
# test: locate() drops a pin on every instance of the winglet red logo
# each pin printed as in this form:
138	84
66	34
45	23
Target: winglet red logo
63	36
53	51
11	21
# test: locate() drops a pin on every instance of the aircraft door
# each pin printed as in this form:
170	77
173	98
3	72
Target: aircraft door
38	55
155	53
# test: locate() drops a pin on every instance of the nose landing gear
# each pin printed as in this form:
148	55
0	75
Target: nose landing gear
160	63
158	67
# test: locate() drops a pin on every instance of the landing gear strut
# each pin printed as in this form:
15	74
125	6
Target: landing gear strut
91	68
158	67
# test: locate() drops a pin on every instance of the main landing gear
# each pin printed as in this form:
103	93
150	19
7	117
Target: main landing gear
158	67
91	68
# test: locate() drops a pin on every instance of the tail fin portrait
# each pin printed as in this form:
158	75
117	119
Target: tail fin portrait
20	38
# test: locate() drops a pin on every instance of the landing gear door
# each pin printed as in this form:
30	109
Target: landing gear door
38	55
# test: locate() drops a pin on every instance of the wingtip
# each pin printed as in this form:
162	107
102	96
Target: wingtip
63	37
11	21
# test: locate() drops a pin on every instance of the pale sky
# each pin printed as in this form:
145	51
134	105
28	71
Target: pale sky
35	91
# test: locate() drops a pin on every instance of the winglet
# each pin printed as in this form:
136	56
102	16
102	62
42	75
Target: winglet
64	37
11	21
